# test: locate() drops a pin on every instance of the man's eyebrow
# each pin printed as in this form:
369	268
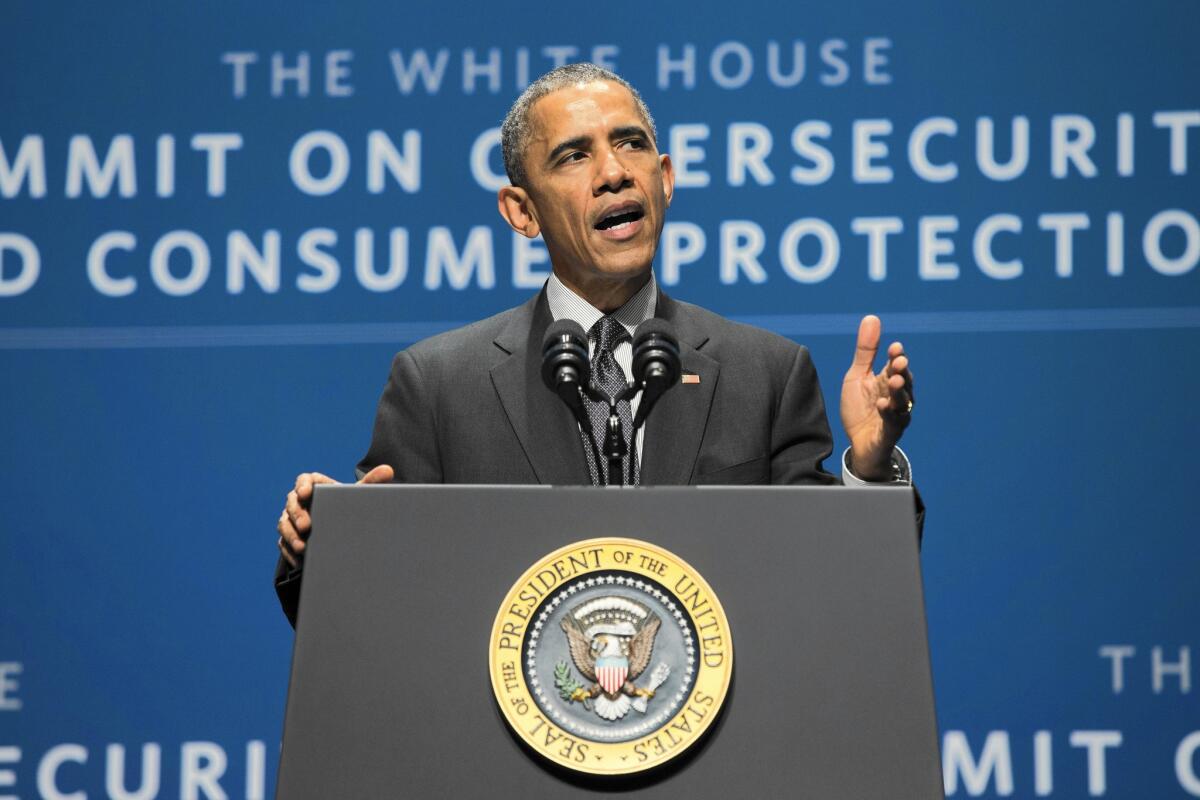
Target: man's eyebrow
622	132
569	144
629	130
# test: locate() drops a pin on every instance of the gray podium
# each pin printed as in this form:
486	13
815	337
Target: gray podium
390	693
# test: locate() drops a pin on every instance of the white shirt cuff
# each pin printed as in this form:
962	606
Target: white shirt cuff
898	458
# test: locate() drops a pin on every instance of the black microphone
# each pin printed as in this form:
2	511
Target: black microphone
656	365
566	369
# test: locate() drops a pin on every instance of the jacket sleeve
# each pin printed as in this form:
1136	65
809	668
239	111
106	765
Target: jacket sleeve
801	439
406	424
800	435
405	436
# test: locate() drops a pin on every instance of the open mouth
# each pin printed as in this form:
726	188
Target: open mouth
620	218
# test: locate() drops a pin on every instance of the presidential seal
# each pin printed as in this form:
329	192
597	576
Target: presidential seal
610	656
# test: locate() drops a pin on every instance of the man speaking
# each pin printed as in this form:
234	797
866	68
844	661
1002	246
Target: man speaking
470	406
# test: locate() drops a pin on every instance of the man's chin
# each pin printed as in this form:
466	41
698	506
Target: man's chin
625	258
623	272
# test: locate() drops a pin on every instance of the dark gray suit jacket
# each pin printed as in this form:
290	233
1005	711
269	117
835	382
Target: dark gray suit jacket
469	406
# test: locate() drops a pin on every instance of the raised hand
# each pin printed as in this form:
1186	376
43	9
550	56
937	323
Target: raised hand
876	408
295	523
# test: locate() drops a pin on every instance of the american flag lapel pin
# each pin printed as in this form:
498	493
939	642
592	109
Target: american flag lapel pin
690	377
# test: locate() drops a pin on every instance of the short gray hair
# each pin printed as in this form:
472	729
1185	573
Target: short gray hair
515	132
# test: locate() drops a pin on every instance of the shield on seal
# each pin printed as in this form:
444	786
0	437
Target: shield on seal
611	672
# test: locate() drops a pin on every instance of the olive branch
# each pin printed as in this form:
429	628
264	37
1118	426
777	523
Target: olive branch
567	685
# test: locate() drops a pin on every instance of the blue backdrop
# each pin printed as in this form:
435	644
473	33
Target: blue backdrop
219	221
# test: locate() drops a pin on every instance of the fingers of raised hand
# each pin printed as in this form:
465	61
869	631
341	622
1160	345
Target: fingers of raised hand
867	344
898	366
895	391
897	359
895	405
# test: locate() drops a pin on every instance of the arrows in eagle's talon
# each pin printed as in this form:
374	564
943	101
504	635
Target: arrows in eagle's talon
657	678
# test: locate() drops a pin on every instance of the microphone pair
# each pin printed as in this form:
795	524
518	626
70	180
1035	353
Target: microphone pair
567	370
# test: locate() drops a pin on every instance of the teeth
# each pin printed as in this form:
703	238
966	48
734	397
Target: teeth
620	211
630	214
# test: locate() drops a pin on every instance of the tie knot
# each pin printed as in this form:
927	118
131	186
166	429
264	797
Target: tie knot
606	333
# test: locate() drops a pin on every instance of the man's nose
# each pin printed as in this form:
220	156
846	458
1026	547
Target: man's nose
612	174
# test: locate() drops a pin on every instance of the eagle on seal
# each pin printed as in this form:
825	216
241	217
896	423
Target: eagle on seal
611	640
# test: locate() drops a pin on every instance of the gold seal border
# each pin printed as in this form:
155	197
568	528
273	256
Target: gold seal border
564	748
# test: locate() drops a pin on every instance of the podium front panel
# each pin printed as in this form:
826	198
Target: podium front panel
831	697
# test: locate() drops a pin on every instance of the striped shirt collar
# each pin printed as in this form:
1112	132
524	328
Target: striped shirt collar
565	304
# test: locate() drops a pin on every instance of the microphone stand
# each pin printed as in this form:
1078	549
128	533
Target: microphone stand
566	371
585	425
614	436
629	393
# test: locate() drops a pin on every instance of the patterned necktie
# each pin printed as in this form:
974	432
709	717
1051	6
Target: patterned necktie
608	377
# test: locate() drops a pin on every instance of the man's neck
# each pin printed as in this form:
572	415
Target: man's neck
608	296
566	304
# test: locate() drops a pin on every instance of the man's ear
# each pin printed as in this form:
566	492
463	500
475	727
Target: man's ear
517	209
668	176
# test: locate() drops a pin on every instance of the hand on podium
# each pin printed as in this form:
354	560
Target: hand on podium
295	523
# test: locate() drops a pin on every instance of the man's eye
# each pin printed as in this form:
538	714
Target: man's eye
635	144
569	157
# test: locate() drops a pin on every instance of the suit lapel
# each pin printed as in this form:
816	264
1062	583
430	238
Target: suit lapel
676	424
542	422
